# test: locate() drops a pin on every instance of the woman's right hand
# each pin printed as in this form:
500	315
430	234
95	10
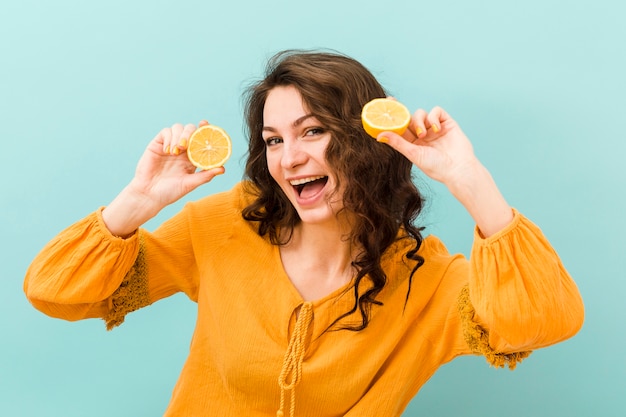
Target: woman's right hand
164	174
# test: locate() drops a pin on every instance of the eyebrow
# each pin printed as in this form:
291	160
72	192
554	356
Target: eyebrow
296	123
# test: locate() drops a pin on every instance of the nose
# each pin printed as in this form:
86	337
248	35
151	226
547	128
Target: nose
293	154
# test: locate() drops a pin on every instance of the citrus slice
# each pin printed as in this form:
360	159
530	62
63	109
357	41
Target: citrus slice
209	147
384	115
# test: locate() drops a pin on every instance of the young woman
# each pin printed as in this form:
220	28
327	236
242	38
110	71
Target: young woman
317	294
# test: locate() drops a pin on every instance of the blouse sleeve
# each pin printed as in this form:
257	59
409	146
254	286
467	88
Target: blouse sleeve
86	272
519	296
75	274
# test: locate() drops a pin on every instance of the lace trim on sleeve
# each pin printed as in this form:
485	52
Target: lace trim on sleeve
132	293
477	338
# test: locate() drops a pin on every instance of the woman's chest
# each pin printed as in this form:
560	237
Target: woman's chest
252	352
248	336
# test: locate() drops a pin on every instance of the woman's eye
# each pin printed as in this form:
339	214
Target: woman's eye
314	131
272	141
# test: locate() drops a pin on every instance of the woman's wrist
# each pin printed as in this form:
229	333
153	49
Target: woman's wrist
478	193
127	212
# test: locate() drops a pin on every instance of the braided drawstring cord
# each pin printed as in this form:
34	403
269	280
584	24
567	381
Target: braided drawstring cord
292	363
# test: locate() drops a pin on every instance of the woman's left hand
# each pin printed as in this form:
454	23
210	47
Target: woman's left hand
435	143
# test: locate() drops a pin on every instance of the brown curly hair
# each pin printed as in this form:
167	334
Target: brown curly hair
380	192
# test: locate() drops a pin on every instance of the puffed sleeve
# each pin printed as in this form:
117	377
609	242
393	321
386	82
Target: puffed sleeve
75	274
519	296
86	272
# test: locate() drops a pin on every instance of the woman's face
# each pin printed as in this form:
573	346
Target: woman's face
295	147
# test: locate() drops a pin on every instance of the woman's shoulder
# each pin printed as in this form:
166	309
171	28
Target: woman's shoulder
431	248
220	214
226	202
437	261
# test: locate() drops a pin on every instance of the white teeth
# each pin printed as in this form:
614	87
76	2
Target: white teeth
307	179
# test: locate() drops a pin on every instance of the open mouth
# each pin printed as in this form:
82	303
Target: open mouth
310	186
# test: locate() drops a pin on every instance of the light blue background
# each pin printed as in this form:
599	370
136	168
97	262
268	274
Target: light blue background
538	85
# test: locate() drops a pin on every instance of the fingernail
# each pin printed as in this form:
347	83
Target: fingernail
383	139
175	151
435	128
418	131
183	143
167	149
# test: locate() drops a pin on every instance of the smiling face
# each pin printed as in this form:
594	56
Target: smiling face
296	144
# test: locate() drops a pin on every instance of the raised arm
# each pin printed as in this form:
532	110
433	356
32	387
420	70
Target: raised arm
100	259
163	175
519	293
436	144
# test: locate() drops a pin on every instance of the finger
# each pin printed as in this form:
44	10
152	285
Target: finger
436	118
164	138
203	123
418	123
183	139
177	130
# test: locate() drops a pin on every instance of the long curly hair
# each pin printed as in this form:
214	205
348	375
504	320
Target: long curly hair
380	193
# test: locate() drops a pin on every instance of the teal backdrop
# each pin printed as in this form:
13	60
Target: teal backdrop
538	85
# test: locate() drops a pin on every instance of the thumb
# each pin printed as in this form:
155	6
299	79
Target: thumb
411	151
199	178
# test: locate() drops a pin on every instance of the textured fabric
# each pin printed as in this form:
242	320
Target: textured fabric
252	346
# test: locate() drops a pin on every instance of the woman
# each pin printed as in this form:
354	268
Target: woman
317	294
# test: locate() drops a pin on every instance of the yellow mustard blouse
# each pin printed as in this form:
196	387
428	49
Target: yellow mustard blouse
259	349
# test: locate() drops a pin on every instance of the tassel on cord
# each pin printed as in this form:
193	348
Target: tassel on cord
478	339
291	372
